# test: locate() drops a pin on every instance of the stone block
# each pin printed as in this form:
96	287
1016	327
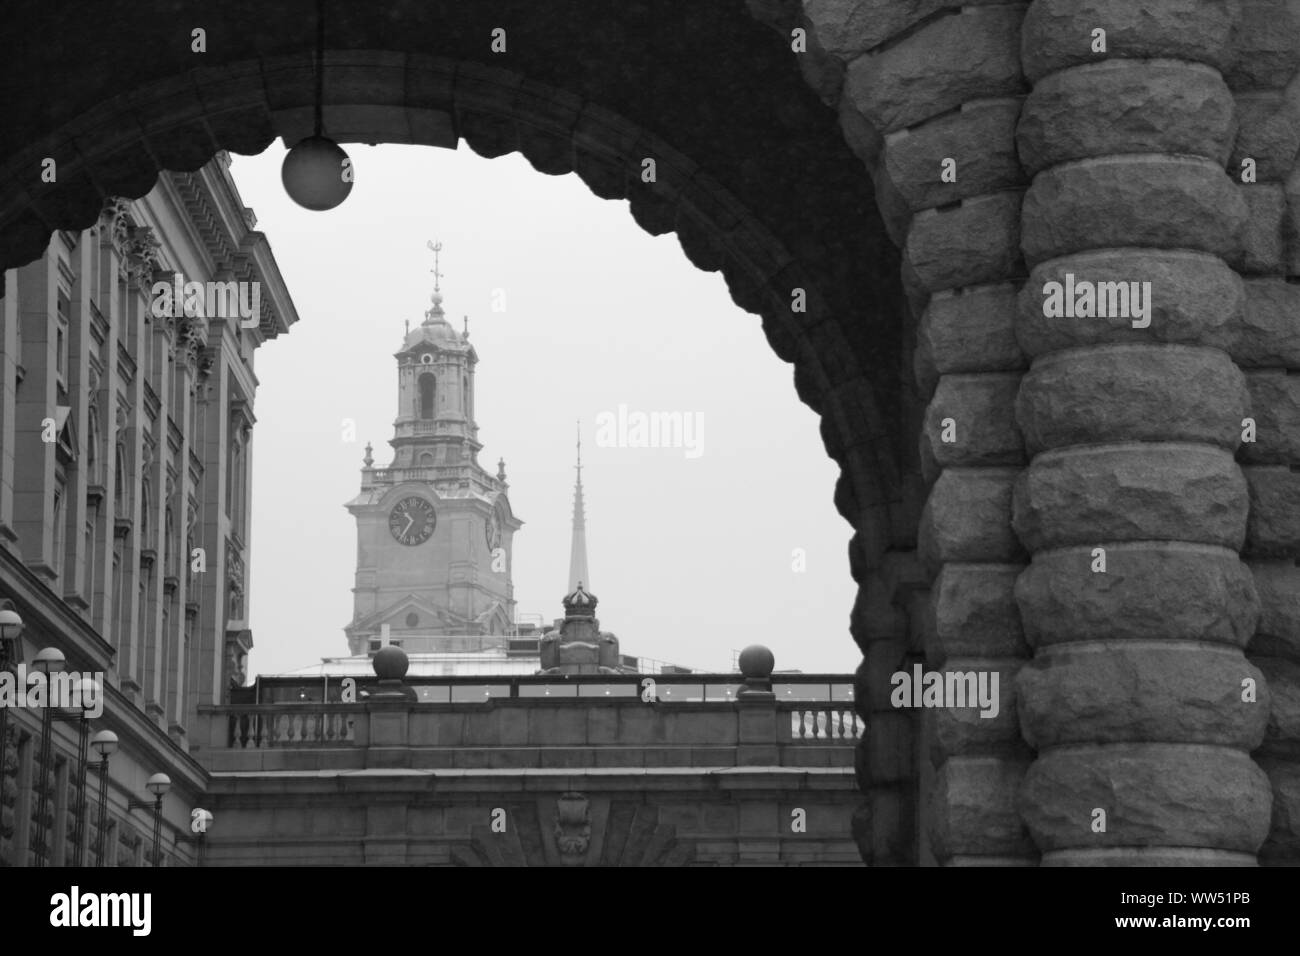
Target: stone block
971	55
1278	584
974	613
1283	678
1275	406
1174	795
977	412
979	138
1149	591
967	330
890	754
974	729
1134	691
1131	393
1126	106
1057	34
973	809
975	242
1282	848
1274	526
1131	492
1261	242
968	518
1268	132
1177	202
1264	45
1195	299
849	27
1266	332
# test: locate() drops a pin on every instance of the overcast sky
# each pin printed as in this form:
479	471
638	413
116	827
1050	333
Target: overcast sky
690	552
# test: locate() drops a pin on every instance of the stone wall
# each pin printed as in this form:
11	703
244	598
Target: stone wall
1097	483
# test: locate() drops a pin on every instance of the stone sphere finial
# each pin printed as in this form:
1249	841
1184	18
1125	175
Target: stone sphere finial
756	663
390	663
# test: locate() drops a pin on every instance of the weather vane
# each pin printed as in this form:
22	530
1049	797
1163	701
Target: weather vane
436	247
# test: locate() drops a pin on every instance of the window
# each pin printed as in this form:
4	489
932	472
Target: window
427	391
92	563
57	557
169	552
119	596
120	500
61	334
92	448
146	509
236	461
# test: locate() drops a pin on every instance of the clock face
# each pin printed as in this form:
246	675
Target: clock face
412	521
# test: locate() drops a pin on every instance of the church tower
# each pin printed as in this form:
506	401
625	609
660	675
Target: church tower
434	529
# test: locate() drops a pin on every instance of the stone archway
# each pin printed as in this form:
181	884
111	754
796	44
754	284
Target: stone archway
752	173
1069	156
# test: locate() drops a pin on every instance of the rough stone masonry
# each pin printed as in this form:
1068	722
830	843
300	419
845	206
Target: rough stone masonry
1105	513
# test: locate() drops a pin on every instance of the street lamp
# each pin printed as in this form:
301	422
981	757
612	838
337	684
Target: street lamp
48	661
104	744
87	690
11	628
158	785
200	822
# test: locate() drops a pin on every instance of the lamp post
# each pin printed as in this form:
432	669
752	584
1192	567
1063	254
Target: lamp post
104	744
48	661
87	690
200	822
11	627
159	784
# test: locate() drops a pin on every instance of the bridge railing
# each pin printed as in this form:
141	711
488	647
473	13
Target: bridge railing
541	721
667	687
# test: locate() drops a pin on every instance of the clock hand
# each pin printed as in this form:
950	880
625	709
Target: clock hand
410	520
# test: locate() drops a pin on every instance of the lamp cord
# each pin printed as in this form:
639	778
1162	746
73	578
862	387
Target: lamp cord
320	62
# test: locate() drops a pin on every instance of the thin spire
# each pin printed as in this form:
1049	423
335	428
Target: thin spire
436	247
435	313
578	548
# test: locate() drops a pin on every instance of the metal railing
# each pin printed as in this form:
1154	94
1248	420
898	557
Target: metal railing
666	688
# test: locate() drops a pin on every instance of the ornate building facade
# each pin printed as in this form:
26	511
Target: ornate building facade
126	418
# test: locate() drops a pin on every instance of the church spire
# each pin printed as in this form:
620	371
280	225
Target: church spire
578	548
435	314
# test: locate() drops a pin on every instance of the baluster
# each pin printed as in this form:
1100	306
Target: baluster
809	725
330	721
